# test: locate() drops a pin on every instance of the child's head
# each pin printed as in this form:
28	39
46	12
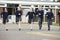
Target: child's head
49	10
39	7
31	9
18	8
5	9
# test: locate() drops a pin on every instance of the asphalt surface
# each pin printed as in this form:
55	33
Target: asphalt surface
25	33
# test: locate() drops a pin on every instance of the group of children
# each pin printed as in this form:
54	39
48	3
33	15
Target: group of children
31	14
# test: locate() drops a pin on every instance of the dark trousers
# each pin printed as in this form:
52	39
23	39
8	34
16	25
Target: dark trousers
49	23
40	20
18	18
30	20
4	20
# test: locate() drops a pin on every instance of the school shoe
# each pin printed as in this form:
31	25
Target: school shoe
19	29
39	28
48	29
6	29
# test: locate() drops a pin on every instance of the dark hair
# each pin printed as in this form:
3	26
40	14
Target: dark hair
17	8
32	9
50	9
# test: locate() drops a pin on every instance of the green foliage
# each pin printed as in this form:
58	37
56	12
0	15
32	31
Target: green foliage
58	0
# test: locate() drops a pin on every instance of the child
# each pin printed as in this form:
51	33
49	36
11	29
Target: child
49	16
4	14
30	15
18	14
40	13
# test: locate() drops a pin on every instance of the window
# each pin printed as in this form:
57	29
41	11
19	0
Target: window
25	11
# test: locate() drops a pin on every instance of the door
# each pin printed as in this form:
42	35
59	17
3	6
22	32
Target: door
11	10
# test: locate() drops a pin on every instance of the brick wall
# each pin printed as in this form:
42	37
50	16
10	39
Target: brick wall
1	9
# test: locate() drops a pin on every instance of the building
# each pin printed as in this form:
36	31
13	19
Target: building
11	6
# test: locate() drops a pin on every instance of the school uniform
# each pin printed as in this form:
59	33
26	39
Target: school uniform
49	16
18	14
5	16
30	16
40	14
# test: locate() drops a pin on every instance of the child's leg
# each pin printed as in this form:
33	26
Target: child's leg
19	23
31	24
48	24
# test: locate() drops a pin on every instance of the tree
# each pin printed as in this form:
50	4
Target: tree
58	0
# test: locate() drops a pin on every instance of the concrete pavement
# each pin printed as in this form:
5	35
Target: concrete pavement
27	26
26	34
